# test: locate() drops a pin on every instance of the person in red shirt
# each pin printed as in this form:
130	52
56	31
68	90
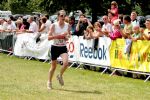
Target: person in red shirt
114	9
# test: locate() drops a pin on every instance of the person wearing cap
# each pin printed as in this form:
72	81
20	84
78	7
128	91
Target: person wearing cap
114	9
146	33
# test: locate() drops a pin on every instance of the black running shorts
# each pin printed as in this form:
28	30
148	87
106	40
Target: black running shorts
56	51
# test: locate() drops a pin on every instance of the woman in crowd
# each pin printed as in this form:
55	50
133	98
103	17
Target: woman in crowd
43	29
146	33
20	26
111	18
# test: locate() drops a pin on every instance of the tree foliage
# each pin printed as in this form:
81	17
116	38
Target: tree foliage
92	6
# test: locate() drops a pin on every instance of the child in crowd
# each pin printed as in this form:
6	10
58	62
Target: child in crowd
126	33
97	31
136	33
116	31
88	32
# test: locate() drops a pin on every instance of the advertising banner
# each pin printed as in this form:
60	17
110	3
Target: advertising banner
89	54
138	59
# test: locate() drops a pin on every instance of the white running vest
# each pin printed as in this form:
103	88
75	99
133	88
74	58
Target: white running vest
57	31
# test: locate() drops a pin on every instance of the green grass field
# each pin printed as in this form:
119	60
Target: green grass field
26	80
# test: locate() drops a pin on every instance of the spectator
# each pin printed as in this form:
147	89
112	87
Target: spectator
136	33
33	26
96	34
127	31
10	26
73	25
4	24
67	19
146	33
121	21
97	31
13	21
116	31
1	26
48	23
114	9
43	32
134	20
26	27
111	18
88	32
107	27
20	25
82	25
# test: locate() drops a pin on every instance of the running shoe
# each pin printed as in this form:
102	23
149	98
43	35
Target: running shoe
60	79
49	85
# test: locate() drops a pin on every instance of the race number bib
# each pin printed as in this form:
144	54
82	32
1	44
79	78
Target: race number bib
59	42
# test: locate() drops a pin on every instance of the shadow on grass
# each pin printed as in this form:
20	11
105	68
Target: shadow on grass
80	91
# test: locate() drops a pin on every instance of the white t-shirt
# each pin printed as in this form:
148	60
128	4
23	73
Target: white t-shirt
135	23
48	24
11	26
4	25
1	27
33	27
14	25
108	27
57	31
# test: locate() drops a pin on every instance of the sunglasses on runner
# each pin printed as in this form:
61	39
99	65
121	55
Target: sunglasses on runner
62	15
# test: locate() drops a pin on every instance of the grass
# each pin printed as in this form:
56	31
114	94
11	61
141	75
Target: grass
26	80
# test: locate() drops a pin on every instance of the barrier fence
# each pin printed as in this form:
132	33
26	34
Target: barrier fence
7	41
108	54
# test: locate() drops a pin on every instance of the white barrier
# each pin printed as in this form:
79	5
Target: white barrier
7	42
79	50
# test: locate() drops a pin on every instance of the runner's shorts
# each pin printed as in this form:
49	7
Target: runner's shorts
56	51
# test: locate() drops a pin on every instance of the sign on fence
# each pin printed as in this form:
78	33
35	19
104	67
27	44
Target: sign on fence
137	60
99	56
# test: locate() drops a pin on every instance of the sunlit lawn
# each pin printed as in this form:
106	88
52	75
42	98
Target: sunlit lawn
26	80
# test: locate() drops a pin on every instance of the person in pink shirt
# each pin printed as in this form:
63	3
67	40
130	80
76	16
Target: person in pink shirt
114	9
20	25
112	18
116	31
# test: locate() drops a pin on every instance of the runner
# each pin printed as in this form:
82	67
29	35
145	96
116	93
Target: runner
58	33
